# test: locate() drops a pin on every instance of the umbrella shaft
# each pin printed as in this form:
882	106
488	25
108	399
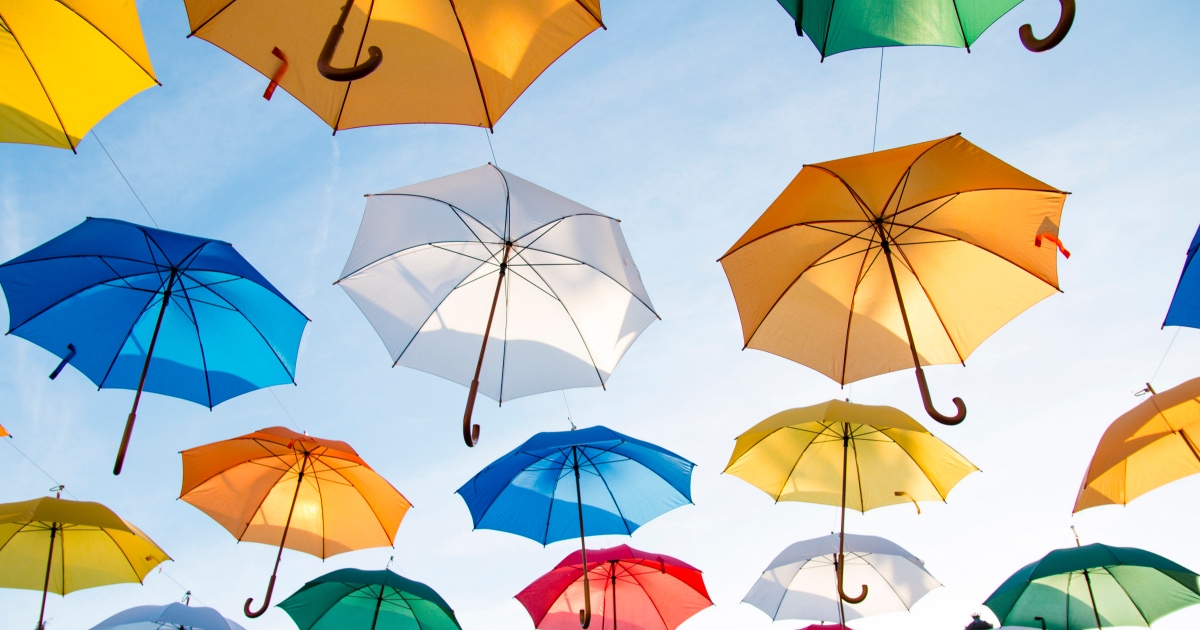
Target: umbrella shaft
887	253
46	586
137	398
378	604
585	616
1096	611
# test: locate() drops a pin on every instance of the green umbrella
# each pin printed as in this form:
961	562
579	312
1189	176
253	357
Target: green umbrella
349	599
839	25
1094	586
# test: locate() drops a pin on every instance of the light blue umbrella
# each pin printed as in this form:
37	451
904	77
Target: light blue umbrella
139	308
170	616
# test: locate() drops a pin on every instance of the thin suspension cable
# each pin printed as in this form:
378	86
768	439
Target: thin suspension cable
191	595
35	465
878	92
292	420
1164	357
122	174
487	134
568	406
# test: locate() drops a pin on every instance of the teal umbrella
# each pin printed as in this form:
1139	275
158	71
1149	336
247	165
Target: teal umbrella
1094	586
839	25
350	599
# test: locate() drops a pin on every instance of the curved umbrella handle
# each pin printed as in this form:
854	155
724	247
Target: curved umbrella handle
585	615
1041	619
266	601
1065	19
841	592
934	413
375	56
471	431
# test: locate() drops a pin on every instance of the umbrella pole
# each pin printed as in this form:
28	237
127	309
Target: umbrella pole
142	382
46	587
279	556
585	615
1096	611
614	585
471	432
378	604
961	414
841	559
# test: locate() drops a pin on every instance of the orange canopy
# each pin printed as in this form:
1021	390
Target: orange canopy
3	433
248	485
1152	445
968	239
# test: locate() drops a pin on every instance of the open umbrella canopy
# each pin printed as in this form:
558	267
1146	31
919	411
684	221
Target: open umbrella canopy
1185	304
900	258
351	599
67	64
1094	586
174	615
1149	446
800	583
641	591
433	61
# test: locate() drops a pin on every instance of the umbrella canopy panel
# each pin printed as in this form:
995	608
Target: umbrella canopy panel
531	491
1072	589
250	485
94	295
66	64
797	455
92	546
463	62
963	233
375	600
174	615
1151	445
424	270
1185	305
801	582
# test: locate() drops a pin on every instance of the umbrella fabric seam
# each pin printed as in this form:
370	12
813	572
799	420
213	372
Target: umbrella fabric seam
357	59
41	84
487	113
608	489
928	298
582	339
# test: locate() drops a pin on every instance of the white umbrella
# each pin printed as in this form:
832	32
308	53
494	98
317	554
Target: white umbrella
170	616
801	582
440	266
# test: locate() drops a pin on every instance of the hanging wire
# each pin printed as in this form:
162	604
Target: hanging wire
35	465
1164	357
188	596
878	92
122	174
291	421
487	134
568	405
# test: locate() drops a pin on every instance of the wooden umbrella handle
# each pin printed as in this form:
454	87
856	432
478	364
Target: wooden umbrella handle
1065	19
353	73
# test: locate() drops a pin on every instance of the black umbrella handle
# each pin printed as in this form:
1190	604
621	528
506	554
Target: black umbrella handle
1065	19
353	73
957	418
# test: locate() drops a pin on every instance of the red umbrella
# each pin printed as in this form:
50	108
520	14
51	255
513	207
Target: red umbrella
642	591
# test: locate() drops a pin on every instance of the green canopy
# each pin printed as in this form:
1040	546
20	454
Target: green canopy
349	599
839	25
1094	586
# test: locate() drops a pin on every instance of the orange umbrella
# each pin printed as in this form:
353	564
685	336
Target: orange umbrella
1152	445
3	433
276	486
900	258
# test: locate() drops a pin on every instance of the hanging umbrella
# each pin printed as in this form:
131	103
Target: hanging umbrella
800	583
441	61
276	486
1094	586
556	482
54	545
4	432
171	616
68	64
836	26
139	308
350	599
826	626
815	454
1149	446
492	282
900	258
643	591
1185	304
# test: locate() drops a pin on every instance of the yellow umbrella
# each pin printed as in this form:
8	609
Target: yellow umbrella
60	546
906	257
1152	445
66	64
276	486
853	456
401	61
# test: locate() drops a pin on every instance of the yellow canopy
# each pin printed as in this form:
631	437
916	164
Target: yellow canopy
60	546
463	62
1151	445
797	455
957	230
66	64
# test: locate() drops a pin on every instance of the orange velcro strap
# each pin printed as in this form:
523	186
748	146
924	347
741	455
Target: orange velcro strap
278	73
1053	239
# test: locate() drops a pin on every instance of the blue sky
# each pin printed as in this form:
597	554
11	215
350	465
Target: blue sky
684	119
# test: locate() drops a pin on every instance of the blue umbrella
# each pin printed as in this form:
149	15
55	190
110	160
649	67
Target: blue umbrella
139	308
170	616
1185	306
555	483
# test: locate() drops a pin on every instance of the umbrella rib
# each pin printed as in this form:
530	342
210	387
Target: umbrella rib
278	480
589	266
814	224
434	311
369	504
652	602
903	181
199	341
573	323
119	548
41	83
913	224
592	14
863	269
479	83
214	16
799	457
862	502
155	271
620	512
997	255
357	57
929	298
504	342
117	46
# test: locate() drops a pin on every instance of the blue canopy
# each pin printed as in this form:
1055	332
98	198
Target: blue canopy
99	288
1185	306
623	484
